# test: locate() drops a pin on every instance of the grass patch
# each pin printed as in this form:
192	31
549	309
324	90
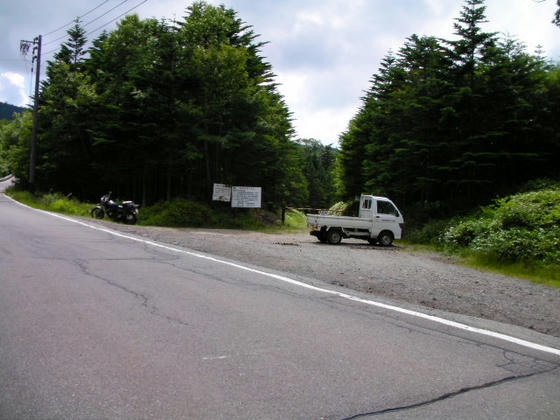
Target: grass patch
177	213
542	274
537	273
295	222
187	213
54	202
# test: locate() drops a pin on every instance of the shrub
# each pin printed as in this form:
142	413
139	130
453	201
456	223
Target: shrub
520	244
427	233
532	209
522	228
464	232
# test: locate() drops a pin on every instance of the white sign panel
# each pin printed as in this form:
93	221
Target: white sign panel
246	197
221	192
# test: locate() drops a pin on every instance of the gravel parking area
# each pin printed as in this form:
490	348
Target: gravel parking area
430	280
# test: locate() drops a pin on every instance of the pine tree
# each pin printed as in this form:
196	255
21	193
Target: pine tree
73	50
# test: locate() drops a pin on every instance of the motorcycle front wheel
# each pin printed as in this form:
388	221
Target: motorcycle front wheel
97	213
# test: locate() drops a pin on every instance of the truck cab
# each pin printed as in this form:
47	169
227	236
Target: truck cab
384	214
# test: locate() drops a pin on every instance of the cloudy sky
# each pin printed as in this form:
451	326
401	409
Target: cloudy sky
324	52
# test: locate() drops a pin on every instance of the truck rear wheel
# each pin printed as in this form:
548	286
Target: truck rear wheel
385	238
334	236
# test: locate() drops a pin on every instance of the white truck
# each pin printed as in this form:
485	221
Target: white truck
379	220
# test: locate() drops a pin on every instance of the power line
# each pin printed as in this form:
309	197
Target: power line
57	39
104	14
90	22
119	16
79	17
105	24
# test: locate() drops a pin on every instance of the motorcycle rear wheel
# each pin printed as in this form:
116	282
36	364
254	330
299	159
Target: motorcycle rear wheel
130	219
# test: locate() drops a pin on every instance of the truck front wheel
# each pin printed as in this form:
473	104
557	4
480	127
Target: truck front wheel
385	238
334	236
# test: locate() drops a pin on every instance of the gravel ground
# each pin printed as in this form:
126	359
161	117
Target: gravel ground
430	280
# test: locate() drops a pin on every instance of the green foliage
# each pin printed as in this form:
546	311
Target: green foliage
189	213
54	202
14	145
156	110
523	228
8	111
345	208
177	213
426	233
318	162
295	220
454	122
544	274
340	207
534	246
464	232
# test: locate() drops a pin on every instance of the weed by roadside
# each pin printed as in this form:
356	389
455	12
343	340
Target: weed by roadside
187	213
55	202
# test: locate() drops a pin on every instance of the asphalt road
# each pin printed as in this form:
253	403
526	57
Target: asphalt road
94	325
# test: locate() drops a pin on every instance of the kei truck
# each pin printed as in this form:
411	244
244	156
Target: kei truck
379	221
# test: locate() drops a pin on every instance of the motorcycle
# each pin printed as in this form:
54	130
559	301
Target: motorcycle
127	211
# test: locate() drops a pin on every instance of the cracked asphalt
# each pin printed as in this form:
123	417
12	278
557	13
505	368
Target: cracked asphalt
427	280
97	326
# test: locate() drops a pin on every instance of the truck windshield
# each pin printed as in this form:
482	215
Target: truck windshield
384	207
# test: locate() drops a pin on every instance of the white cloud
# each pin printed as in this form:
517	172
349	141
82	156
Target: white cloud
529	22
324	124
15	79
322	103
294	87
12	89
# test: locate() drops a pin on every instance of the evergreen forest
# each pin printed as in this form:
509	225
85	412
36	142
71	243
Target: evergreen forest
158	110
447	125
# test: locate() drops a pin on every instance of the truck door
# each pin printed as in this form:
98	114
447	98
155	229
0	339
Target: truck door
367	210
387	217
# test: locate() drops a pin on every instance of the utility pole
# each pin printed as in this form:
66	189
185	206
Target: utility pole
24	48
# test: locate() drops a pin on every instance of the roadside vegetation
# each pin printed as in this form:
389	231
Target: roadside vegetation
54	202
188	213
517	235
176	213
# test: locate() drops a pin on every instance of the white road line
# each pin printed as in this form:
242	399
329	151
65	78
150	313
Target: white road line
393	308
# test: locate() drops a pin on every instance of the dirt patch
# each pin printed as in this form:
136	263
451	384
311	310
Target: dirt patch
431	280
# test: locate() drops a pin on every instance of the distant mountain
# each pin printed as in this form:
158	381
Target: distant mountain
7	111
